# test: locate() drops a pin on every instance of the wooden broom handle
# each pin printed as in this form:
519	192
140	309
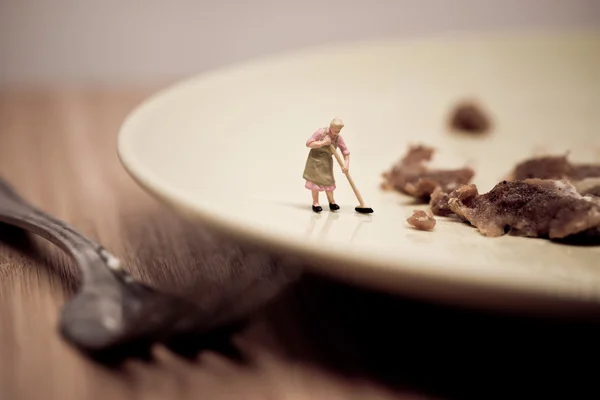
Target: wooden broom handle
347	173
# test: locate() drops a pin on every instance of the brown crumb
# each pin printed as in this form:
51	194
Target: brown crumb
386	186
544	167
422	220
588	186
468	116
439	203
585	177
531	208
410	175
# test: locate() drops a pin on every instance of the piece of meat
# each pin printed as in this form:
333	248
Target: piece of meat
410	175
438	203
588	186
468	116
546	167
584	171
532	208
557	167
584	177
385	186
422	220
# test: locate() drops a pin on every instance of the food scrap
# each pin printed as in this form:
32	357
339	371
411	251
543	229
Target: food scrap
545	197
422	220
589	186
532	208
438	203
468	116
410	175
585	177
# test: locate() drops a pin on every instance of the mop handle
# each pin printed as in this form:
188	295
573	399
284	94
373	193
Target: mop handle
347	173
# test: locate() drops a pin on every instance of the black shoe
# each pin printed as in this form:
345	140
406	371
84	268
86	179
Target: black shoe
317	209
333	207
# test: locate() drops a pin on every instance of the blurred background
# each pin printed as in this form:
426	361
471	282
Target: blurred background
131	42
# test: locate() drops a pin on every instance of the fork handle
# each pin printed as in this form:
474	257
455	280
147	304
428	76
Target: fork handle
92	259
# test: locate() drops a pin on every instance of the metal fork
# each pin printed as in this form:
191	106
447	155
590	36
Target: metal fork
111	310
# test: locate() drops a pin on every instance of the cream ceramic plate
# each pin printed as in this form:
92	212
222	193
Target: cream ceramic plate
228	149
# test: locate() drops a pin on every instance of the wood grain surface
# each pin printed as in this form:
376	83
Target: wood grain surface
319	339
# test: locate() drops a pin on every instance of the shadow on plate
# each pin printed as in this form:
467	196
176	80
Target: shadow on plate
586	239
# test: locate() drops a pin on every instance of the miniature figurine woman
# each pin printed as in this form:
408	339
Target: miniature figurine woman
318	171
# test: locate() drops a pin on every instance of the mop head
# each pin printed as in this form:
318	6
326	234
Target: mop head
364	210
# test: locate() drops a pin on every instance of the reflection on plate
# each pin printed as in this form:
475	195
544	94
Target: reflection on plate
228	149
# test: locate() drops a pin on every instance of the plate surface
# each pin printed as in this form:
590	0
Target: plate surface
228	148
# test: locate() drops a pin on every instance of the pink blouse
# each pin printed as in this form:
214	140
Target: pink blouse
320	134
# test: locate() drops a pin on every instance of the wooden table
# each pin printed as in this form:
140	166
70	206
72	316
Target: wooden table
320	339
